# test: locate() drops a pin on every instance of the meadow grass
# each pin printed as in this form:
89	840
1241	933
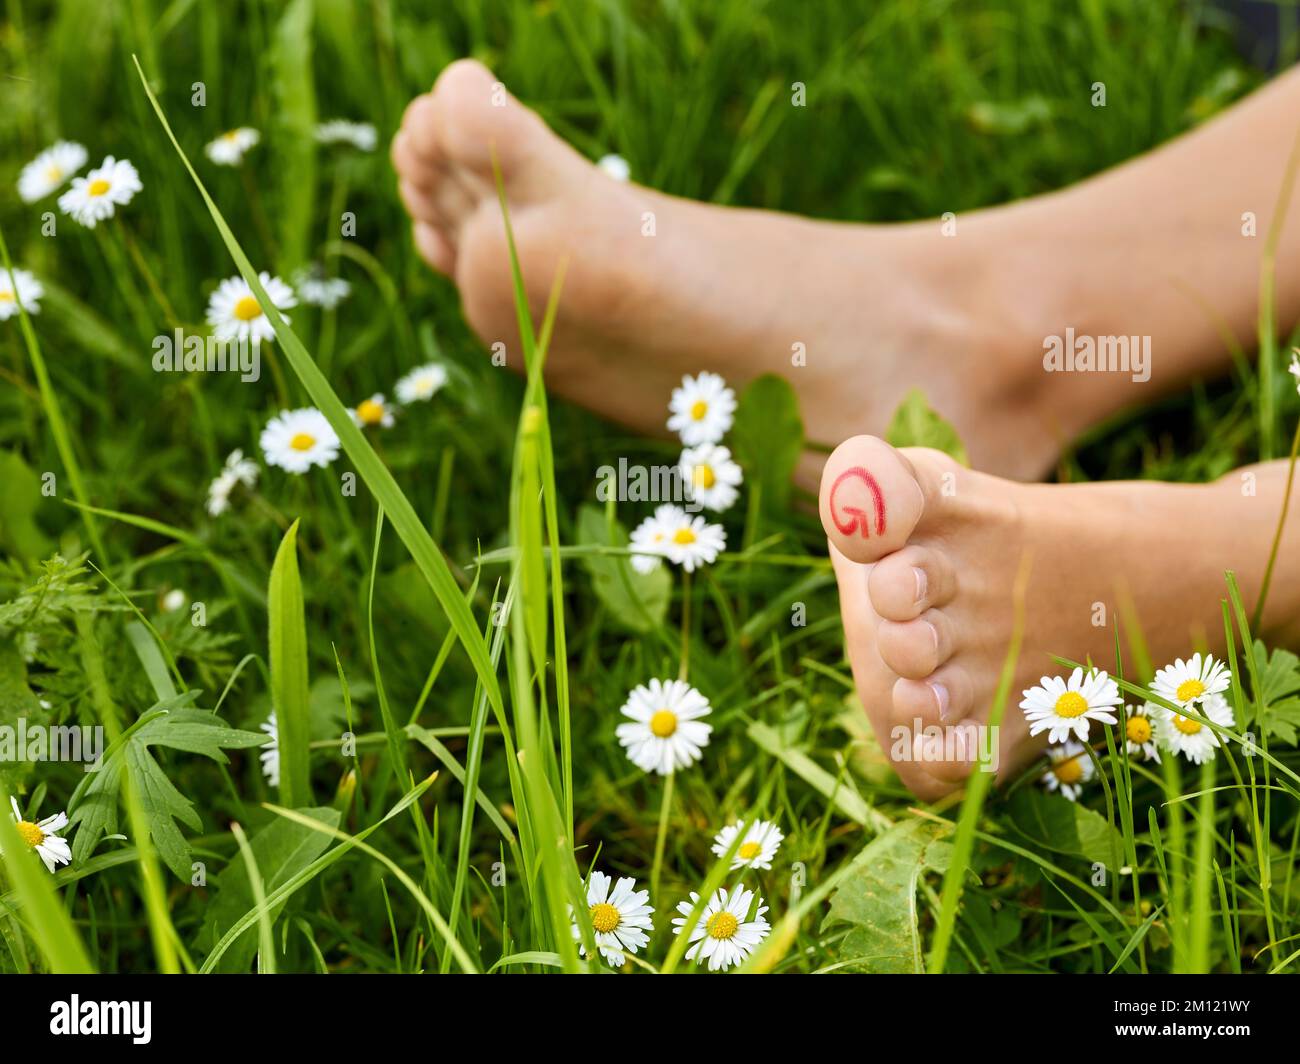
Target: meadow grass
468	616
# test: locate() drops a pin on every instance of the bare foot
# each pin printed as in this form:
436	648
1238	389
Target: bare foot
927	553
878	309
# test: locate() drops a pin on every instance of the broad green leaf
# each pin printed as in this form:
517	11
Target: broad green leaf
1279	681
636	601
289	693
1056	823
915	424
877	899
281	850
19	500
171	724
768	437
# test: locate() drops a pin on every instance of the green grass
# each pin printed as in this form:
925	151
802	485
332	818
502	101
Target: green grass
465	621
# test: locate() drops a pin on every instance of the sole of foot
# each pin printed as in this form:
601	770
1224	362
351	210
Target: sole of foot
928	553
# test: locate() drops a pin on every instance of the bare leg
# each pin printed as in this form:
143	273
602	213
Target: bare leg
659	286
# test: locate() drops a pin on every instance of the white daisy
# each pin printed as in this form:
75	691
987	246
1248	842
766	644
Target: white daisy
421	384
235	314
1185	682
1140	732
229	148
360	135
40	836
296	440
1071	768
620	917
1196	741
174	600
373	411
321	291
1294	368
616	166
95	197
270	755
237	470
649	538
702	409
1068	707
762	840
665	733
50	169
690	541
22	288
724	934
710	476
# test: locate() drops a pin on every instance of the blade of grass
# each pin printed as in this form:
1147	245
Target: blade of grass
289	690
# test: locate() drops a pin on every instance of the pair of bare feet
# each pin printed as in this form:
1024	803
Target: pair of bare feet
927	589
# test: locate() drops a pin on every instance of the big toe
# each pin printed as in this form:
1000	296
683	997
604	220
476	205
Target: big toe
871	498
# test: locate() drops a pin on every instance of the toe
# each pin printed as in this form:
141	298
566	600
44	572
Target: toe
434	248
871	499
914	649
944	697
905	584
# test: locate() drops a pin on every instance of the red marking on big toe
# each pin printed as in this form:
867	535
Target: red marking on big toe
854	517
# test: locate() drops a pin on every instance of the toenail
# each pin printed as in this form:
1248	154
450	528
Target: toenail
921	581
941	696
934	635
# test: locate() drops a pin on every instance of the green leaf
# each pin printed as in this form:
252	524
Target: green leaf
19	533
878	898
768	438
636	601
295	146
172	724
289	693
281	851
1056	823
17	700
1279	683
915	424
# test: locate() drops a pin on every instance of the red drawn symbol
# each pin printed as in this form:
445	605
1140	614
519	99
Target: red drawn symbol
855	518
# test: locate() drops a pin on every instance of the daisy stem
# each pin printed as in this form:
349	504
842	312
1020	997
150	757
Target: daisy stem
686	625
1117	860
124	278
254	201
1277	536
151	282
662	836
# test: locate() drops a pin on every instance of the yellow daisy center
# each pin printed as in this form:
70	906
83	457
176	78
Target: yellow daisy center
1071	704
1138	729
684	536
722	925
1189	689
749	851
232	136
7	297
98	187
698	409
703	477
54	172
663	723
604	917
1068	770
1186	725
370	412
247	309
303	441
30	833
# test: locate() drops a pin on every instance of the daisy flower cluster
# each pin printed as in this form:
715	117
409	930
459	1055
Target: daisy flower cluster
700	411
1066	709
